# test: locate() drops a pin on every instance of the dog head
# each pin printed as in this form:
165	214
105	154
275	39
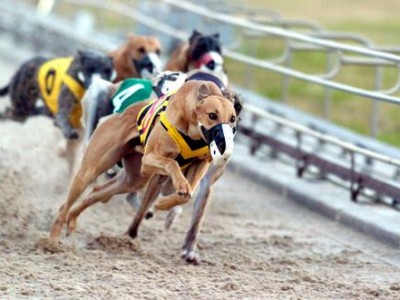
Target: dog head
216	118
205	52
168	82
93	64
139	57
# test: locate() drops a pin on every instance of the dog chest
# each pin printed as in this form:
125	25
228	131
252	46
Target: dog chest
190	149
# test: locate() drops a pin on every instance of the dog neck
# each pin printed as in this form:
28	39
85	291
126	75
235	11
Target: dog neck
74	69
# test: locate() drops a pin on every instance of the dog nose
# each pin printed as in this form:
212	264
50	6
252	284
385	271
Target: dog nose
147	63
218	137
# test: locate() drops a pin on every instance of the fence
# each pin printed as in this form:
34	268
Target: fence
346	162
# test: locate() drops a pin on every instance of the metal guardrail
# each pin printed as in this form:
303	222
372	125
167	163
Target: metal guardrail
385	190
358	179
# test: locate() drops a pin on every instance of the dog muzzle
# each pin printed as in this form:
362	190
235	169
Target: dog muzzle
211	61
220	141
168	82
148	66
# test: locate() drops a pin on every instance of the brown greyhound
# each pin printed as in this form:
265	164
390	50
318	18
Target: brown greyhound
197	107
138	57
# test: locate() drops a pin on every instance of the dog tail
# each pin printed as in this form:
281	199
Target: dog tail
4	91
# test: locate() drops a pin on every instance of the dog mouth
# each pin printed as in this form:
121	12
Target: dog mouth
148	65
210	61
220	140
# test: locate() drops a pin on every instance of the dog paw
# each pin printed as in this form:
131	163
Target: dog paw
182	187
170	201
71	225
191	257
149	214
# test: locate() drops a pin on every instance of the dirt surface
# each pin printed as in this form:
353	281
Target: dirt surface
254	244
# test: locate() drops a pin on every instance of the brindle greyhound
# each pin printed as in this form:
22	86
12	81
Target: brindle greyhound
60	83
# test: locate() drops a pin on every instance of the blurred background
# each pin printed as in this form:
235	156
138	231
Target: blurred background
364	23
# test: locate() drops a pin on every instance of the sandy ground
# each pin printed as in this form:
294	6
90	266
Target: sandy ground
254	244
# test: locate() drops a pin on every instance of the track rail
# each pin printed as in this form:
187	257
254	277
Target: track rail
382	184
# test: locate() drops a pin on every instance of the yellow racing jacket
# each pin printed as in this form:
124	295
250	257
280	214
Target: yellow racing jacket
52	74
189	149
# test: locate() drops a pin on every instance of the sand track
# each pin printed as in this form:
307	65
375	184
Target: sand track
254	243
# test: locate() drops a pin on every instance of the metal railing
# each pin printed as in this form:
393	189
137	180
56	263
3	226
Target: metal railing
365	54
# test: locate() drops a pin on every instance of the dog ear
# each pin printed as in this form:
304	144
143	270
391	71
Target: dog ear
194	35
237	104
227	94
216	36
203	92
82	54
236	100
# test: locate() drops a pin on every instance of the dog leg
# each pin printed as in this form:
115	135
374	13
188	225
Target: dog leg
152	190
95	161
201	202
102	193
173	214
129	180
195	173
66	103
96	104
133	200
73	148
153	163
79	183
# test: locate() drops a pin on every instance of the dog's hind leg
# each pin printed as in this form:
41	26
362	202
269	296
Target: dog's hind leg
201	202
24	90
102	193
101	154
152	191
172	215
127	180
133	200
81	180
66	103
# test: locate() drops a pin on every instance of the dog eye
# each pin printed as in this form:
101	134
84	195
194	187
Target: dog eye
141	50
212	116
233	119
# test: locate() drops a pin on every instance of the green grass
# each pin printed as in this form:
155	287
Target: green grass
347	110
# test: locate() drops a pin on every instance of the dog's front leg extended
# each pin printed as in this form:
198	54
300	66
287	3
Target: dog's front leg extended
194	174
153	163
201	202
66	103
